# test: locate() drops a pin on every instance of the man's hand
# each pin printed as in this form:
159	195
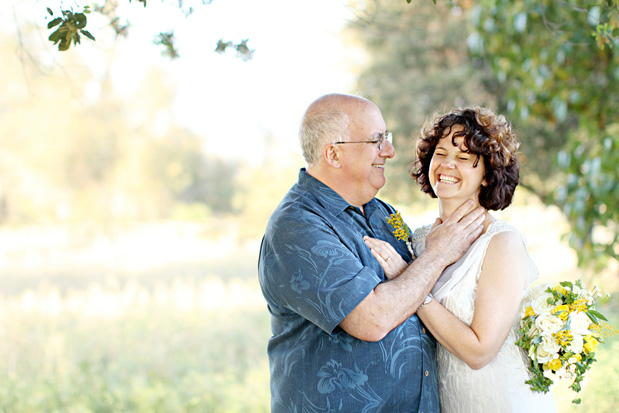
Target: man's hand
449	240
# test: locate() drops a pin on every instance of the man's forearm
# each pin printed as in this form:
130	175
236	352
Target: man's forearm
394	301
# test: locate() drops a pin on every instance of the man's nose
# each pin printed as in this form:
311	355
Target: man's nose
388	150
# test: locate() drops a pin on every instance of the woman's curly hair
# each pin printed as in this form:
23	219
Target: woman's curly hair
487	135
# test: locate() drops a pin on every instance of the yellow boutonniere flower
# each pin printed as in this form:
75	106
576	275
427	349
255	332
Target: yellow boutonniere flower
400	230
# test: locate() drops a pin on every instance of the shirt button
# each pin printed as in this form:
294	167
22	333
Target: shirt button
423	330
427	373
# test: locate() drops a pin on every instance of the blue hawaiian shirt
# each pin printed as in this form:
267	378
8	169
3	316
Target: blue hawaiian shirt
314	269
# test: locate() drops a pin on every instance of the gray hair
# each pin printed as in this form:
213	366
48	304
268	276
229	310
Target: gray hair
320	127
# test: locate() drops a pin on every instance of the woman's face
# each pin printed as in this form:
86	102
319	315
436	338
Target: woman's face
452	174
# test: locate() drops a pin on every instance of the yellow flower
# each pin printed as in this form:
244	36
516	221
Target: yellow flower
590	344
563	338
554	364
529	311
559	288
603	330
579	305
400	229
563	310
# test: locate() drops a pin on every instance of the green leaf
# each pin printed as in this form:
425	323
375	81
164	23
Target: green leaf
87	34
54	22
80	20
592	317
51	13
55	37
64	45
597	314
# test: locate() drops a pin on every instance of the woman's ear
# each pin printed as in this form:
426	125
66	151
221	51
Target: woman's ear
331	154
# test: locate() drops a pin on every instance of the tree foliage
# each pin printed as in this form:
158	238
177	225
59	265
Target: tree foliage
555	64
549	66
417	64
70	26
73	24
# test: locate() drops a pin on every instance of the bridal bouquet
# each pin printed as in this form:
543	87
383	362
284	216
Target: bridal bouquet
560	329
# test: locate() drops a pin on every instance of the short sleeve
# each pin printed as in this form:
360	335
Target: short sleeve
312	273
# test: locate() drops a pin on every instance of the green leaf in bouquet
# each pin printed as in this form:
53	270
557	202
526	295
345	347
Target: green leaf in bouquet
597	315
566	284
592	317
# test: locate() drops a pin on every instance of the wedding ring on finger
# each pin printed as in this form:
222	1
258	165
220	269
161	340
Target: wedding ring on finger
388	258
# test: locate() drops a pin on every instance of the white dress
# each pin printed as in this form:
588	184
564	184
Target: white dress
500	385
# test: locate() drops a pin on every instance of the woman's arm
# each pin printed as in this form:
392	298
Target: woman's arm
502	280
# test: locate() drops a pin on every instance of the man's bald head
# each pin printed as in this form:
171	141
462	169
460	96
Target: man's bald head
327	120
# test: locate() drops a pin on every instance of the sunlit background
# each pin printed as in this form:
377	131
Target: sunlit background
134	189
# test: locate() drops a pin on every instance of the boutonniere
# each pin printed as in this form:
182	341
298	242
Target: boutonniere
401	231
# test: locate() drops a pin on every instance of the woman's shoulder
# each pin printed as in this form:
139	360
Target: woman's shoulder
501	231
421	232
418	239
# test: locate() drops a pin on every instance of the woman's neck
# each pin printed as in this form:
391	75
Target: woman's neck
447	207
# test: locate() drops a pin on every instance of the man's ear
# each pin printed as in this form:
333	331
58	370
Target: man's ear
331	154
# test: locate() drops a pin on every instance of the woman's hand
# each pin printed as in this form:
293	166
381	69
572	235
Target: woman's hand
393	264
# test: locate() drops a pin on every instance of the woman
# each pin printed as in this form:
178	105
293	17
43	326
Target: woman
466	154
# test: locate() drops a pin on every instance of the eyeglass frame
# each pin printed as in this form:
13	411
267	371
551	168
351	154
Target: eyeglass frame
387	136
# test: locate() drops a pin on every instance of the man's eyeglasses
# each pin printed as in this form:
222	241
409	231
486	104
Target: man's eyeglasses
380	142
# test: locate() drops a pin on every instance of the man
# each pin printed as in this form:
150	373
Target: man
344	337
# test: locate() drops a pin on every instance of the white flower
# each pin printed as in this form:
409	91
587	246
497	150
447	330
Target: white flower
572	360
549	323
550	374
537	290
540	304
547	349
579	323
576	344
533	331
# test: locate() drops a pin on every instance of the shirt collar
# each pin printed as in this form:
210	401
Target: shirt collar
327	197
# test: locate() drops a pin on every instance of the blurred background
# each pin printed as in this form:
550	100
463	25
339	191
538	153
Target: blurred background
138	171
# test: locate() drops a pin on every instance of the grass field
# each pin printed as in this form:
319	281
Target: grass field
156	318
